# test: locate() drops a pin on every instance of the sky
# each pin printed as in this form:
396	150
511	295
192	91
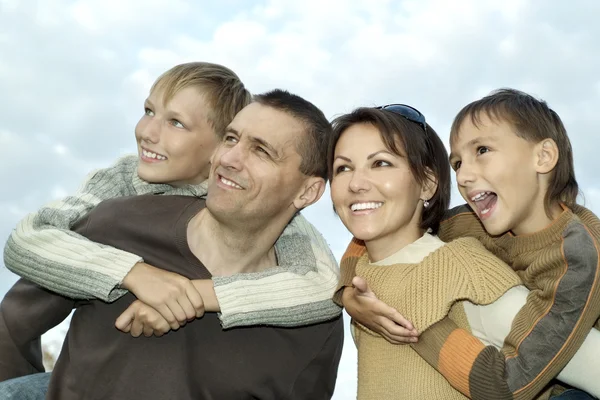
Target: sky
74	75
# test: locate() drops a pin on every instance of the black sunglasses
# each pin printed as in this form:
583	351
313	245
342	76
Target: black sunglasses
408	112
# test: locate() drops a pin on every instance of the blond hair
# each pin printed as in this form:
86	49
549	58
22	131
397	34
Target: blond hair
223	90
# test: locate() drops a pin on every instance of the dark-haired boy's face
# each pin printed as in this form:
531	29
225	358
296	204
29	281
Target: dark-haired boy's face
496	174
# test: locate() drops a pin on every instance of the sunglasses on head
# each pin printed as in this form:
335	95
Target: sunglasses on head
408	112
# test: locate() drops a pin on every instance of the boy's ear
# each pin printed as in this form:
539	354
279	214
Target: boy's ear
547	156
310	193
429	186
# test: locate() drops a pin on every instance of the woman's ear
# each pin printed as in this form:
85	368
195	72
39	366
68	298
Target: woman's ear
430	185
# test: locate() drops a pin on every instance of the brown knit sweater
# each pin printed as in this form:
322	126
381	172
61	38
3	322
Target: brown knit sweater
424	293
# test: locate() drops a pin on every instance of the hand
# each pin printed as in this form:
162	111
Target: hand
172	295
141	318
362	305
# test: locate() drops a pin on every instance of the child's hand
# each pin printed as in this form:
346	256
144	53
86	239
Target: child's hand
172	295
141	318
362	305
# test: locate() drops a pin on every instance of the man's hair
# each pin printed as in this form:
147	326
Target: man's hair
224	92
532	120
312	146
423	149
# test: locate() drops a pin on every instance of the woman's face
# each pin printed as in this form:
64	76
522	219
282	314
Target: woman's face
175	140
374	191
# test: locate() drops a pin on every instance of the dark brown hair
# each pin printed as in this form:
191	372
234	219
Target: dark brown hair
312	147
532	120
424	150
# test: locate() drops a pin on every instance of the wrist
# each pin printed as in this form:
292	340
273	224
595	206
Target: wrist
129	279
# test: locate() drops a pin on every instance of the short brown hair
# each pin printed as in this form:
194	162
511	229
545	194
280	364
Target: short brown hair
225	93
532	120
424	152
312	147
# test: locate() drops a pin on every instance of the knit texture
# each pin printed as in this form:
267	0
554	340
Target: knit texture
424	293
44	250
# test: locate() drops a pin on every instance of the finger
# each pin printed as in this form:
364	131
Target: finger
161	328
137	327
396	317
166	313
187	307
177	311
196	300
123	322
147	329
360	284
396	332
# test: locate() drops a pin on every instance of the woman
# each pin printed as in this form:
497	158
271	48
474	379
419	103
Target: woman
390	185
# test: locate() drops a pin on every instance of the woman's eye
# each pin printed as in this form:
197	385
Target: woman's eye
341	168
148	112
482	150
381	163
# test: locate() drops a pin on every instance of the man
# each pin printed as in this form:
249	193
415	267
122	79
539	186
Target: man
270	165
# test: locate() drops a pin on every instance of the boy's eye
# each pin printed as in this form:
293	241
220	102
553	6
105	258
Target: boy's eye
177	124
148	112
482	150
456	165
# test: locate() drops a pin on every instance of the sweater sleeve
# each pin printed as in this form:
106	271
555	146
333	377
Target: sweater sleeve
297	292
353	252
44	250
545	335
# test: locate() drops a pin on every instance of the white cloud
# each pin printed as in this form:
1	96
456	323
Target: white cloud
74	75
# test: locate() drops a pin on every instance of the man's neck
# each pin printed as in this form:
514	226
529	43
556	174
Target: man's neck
226	250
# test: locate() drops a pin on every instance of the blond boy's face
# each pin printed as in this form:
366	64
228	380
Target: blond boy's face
175	140
496	174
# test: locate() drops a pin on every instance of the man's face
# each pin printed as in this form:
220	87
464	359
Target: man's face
175	140
255	173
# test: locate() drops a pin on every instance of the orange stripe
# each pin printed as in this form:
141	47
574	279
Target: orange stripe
457	357
596	277
356	248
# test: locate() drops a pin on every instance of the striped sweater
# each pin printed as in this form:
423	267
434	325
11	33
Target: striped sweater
44	250
560	266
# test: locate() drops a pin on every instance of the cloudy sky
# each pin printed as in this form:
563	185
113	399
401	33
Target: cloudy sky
74	74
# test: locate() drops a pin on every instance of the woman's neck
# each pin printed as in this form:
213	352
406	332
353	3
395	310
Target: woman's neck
383	247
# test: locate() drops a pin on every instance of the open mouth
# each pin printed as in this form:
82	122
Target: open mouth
366	206
484	203
228	182
152	155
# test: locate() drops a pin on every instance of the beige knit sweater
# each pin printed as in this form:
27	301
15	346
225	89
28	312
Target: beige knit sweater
424	293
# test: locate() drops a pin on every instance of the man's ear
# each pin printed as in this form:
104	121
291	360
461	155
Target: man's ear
429	186
311	192
547	155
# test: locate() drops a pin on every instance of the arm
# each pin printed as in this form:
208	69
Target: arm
491	323
44	250
26	312
298	292
545	335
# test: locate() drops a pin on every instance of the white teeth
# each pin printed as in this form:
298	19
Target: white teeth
480	196
150	154
230	183
487	210
365	206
